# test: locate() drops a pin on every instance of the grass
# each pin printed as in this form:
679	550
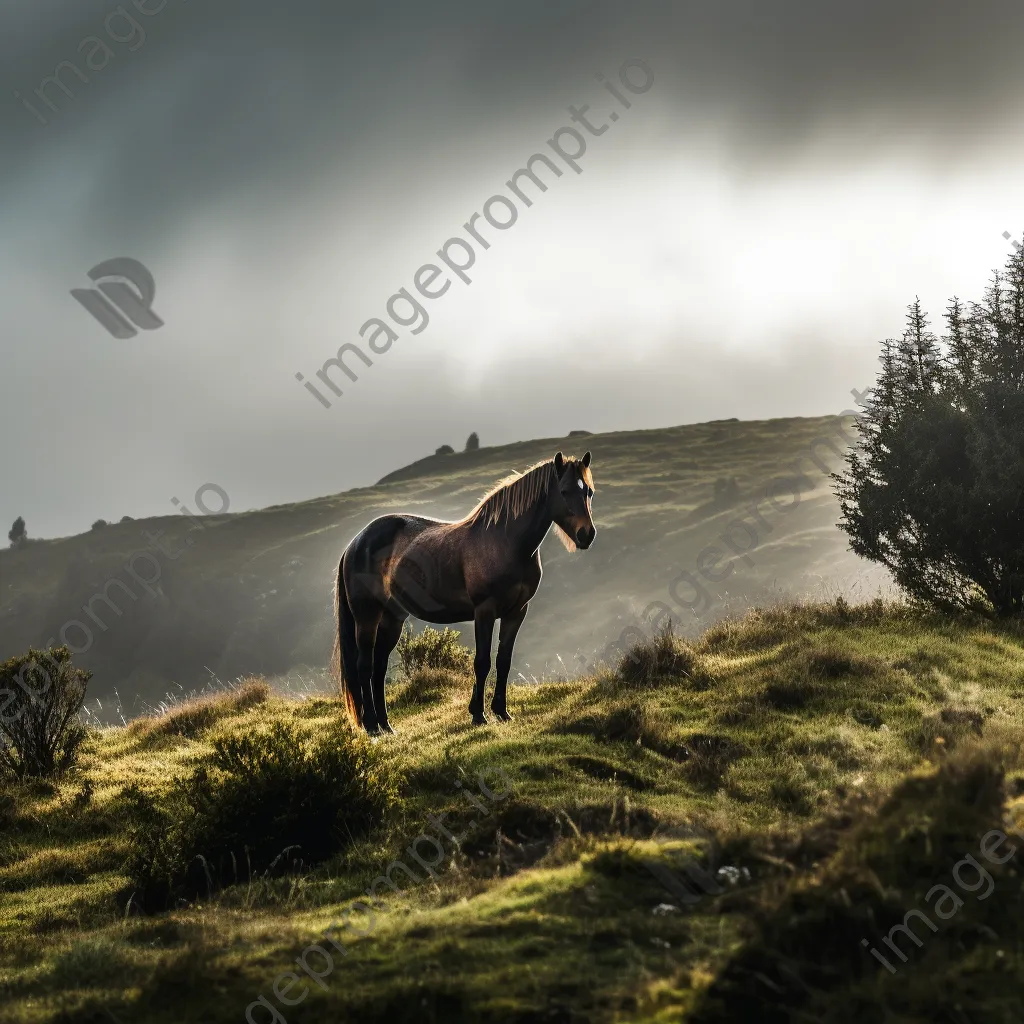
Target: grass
837	761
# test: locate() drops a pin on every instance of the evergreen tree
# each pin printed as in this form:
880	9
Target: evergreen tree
473	442
17	533
935	488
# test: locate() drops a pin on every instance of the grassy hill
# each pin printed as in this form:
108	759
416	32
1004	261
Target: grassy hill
251	592
706	835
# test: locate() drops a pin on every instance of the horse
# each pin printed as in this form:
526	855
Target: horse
483	568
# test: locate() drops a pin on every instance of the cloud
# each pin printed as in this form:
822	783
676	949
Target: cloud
796	174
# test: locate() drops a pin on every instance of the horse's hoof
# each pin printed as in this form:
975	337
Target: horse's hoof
501	714
480	719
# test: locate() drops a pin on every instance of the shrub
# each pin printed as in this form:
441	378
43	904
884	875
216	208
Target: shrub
473	442
428	686
932	489
445	449
263	801
99	524
439	649
39	728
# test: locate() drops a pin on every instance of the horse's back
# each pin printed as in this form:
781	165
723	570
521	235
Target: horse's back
411	564
379	538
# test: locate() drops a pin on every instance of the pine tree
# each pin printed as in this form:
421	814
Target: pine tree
17	533
934	490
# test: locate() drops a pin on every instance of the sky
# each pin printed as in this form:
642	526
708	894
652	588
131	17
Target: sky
785	179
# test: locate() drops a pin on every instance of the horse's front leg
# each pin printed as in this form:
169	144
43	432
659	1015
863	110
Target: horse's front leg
506	641
483	620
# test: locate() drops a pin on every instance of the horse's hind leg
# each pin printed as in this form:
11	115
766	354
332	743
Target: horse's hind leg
484	622
388	634
366	634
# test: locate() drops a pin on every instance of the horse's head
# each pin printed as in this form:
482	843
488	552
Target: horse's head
571	511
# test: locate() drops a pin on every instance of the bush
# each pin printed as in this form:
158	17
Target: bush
99	524
473	442
445	449
40	732
428	686
439	649
932	490
262	802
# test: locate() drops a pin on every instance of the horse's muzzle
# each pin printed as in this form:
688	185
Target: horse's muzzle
585	537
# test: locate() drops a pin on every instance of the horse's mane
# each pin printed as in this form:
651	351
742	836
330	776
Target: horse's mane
515	494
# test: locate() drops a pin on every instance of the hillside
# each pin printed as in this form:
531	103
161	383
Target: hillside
706	838
251	594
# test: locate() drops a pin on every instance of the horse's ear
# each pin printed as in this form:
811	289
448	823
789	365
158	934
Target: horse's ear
559	463
585	460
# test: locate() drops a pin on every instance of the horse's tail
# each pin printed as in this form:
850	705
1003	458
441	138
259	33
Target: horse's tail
344	657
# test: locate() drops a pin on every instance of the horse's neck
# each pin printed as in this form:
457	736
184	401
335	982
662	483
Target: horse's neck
531	528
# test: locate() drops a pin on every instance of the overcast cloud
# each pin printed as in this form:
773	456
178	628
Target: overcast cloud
736	244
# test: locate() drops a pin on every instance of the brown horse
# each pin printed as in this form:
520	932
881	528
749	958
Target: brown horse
484	567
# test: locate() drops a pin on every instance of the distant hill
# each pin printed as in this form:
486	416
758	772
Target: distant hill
252	592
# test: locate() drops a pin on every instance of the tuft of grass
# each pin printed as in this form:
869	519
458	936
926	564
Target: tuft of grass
663	656
90	963
710	756
947	729
193	718
629	720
